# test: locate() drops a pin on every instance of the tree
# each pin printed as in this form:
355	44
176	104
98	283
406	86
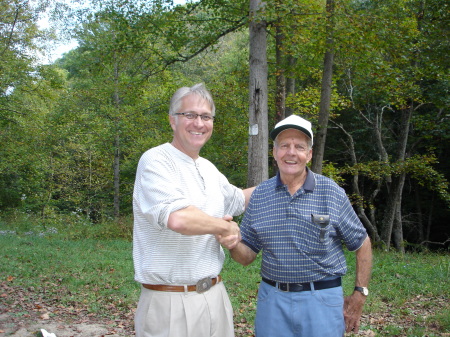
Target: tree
122	47
25	165
258	147
19	37
387	92
27	93
325	97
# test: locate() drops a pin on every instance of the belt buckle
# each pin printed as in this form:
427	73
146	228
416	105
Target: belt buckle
286	287
203	285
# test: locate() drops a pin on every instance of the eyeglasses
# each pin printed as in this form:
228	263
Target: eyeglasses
192	116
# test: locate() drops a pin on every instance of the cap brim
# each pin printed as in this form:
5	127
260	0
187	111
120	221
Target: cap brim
275	132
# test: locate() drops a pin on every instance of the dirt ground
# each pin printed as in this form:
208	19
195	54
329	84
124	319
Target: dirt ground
26	329
19	326
23	314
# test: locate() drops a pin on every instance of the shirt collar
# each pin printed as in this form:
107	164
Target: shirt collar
181	155
308	185
310	181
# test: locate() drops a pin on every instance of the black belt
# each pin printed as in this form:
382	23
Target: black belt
295	287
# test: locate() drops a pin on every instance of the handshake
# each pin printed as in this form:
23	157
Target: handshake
230	238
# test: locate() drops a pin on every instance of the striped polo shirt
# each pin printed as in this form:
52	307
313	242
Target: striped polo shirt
294	248
168	180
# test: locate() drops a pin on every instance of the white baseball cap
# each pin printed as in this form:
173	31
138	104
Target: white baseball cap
293	122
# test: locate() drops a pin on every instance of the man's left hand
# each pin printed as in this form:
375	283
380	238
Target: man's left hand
353	307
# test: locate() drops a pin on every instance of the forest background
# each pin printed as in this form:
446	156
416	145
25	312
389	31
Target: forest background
72	130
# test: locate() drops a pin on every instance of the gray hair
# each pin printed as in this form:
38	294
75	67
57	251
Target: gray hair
199	89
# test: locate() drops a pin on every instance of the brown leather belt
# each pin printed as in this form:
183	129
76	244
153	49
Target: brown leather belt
201	286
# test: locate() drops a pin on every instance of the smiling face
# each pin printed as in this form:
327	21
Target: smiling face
189	136
292	152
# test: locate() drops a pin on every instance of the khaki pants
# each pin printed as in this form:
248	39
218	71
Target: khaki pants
173	314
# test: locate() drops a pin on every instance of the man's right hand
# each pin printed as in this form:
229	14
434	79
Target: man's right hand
232	237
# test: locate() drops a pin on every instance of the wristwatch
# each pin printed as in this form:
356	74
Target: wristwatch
362	290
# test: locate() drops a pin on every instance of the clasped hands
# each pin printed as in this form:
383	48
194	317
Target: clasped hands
232	236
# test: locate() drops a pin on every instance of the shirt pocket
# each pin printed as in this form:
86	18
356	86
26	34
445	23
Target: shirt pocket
313	237
322	222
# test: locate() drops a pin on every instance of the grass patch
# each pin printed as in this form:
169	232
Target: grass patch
91	273
409	292
242	286
71	226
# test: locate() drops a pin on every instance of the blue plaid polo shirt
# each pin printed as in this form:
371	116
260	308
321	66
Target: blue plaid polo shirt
293	248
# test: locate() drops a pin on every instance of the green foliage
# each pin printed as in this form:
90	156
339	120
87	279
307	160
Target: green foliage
24	166
19	35
307	100
419	167
330	170
63	125
227	148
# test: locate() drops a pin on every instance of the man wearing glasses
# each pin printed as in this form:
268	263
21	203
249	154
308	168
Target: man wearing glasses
181	202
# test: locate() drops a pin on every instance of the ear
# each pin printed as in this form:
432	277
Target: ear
309	156
172	121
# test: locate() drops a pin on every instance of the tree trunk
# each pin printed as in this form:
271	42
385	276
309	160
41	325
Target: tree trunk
325	96
280	97
393	201
117	177
419	216
395	194
116	164
258	145
359	204
398	229
290	83
430	219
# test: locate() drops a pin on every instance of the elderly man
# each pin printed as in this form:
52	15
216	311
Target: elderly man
299	220
180	203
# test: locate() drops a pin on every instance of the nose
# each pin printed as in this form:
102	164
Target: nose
199	121
291	149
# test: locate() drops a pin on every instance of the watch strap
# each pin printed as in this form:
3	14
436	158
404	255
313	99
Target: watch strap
362	290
